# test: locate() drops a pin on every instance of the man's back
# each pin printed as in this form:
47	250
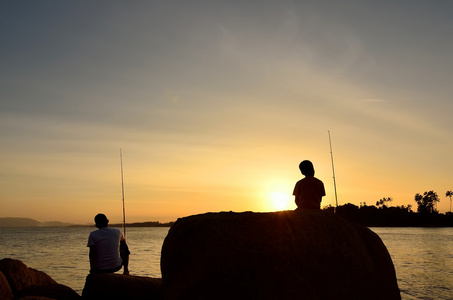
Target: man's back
107	241
309	192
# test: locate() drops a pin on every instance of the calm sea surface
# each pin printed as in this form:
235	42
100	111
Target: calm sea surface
423	257
423	260
62	253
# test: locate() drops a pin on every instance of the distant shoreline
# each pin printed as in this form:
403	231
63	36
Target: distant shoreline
136	224
9	222
368	216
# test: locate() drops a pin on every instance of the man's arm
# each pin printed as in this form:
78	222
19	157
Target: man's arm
93	258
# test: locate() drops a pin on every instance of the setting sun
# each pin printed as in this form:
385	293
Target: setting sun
281	201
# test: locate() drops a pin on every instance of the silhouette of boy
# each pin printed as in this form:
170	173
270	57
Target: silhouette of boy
108	248
309	190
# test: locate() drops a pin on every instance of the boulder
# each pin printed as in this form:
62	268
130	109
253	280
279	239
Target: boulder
28	283
19	276
5	289
116	287
303	254
35	298
52	291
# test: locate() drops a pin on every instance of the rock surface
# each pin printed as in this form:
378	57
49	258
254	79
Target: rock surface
52	291
116	287
28	283
302	254
5	289
36	298
19	276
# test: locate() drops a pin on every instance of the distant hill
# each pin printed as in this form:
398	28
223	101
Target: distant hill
26	222
55	224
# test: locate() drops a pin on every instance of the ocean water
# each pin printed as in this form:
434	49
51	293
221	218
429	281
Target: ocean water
423	257
423	260
62	253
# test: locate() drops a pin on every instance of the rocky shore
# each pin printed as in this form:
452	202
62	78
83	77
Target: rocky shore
282	255
17	281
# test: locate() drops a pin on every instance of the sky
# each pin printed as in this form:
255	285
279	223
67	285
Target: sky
215	103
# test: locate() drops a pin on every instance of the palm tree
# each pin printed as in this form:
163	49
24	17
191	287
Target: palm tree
449	194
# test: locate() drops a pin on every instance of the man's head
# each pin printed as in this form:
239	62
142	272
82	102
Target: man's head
306	167
101	221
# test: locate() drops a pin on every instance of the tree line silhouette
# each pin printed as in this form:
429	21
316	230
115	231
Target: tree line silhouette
384	215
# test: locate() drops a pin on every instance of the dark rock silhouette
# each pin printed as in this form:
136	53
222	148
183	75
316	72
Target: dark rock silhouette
17	281
305	254
5	289
116	286
52	291
35	298
19	276
24	282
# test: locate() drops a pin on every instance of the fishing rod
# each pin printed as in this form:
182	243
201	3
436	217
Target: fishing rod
122	188
333	172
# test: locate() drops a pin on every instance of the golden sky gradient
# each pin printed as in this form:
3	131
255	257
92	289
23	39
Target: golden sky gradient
215	103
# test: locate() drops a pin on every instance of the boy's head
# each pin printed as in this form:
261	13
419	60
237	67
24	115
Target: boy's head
101	221
306	167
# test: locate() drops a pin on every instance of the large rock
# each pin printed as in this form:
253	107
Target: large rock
5	289
119	287
36	298
52	291
28	283
302	254
20	276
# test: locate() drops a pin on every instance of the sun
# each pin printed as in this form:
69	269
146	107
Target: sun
281	201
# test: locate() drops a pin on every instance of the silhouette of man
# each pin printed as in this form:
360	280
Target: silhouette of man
105	244
309	190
